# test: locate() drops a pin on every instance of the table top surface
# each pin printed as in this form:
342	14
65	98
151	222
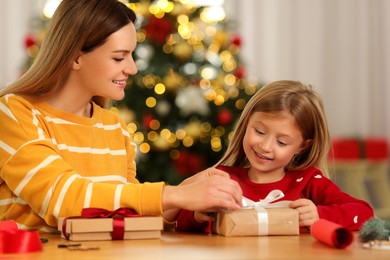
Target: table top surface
201	246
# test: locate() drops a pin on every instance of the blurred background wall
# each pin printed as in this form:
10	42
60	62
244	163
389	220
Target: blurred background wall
341	47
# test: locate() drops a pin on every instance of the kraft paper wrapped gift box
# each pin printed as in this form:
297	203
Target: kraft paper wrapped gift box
262	218
103	228
248	222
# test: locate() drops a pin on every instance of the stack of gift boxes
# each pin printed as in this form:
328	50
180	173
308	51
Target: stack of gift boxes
99	224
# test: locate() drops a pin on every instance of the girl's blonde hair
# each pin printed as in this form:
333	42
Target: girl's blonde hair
77	26
305	105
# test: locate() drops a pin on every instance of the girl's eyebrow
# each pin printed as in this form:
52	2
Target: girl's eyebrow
280	134
289	137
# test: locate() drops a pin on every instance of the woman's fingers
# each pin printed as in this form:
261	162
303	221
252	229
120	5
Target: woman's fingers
209	189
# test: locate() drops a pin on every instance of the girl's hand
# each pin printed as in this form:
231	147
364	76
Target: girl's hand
308	213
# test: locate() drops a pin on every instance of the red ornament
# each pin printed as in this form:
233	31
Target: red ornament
189	163
224	117
146	120
236	40
158	30
29	41
240	72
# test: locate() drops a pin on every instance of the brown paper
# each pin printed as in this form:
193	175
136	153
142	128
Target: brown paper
88	229
244	222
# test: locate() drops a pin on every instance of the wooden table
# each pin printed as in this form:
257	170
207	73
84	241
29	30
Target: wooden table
197	246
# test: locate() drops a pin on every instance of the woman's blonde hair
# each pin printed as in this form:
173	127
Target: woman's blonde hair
305	105
77	26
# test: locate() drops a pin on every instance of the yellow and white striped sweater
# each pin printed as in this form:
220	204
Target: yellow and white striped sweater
54	164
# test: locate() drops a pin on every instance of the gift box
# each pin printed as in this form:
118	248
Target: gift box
259	218
111	226
249	222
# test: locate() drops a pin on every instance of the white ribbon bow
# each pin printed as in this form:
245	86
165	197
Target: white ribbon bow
261	206
267	202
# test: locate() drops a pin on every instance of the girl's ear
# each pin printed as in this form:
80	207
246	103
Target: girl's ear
306	144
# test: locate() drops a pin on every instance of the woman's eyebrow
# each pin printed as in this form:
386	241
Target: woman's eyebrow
120	51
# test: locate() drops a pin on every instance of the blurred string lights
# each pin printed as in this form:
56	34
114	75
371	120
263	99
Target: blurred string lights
191	85
214	13
50	7
195	83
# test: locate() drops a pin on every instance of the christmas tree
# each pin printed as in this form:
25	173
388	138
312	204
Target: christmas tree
190	88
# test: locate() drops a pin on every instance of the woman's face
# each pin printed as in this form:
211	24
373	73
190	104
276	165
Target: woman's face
104	71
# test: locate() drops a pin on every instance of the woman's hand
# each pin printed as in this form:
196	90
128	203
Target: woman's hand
209	189
205	174
204	216
308	213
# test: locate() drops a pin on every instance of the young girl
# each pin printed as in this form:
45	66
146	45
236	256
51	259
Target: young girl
281	141
61	151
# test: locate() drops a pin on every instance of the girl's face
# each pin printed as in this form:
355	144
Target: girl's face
270	142
104	71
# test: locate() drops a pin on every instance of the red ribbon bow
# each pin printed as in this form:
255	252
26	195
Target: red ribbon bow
118	216
13	240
